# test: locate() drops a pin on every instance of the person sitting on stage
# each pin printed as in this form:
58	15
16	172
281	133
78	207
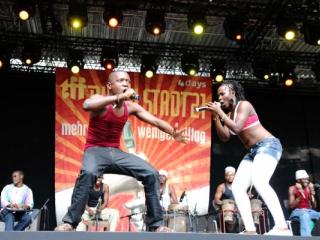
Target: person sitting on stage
223	192
96	208
302	202
108	115
167	191
16	201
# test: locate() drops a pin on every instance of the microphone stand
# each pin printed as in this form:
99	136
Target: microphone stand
189	215
129	218
98	214
45	214
195	213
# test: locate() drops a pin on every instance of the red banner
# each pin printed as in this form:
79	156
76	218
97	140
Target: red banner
171	98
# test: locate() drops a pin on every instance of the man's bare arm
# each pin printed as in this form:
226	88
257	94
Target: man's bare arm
173	194
164	126
105	197
218	195
293	201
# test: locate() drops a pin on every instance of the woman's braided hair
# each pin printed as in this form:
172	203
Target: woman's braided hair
237	88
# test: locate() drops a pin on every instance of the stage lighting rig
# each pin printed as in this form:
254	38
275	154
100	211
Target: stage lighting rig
190	64
112	17
287	29
78	14
311	31
149	65
217	71
197	22
75	60
25	9
155	22
109	58
31	53
234	28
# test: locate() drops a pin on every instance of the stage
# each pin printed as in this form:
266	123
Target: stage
133	236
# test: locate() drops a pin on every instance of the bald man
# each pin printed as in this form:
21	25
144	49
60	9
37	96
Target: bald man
108	115
224	192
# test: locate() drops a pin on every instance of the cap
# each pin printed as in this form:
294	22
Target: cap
301	174
229	169
163	172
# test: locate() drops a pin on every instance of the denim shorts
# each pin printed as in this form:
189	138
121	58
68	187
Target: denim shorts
269	145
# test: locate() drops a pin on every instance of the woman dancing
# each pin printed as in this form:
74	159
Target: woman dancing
234	115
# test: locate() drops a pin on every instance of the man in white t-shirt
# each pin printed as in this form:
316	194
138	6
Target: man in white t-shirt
167	191
16	201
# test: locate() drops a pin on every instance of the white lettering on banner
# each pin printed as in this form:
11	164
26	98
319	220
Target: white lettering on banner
155	133
74	129
174	103
192	83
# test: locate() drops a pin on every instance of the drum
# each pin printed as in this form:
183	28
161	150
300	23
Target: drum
256	208
228	208
100	226
177	217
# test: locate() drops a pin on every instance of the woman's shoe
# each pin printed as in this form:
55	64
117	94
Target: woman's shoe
248	232
279	232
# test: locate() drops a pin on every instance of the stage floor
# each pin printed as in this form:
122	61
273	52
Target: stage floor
134	236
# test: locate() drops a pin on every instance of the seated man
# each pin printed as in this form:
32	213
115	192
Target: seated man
224	192
16	201
302	202
96	207
167	192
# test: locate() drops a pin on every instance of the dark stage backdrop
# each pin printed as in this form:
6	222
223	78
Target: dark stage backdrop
27	134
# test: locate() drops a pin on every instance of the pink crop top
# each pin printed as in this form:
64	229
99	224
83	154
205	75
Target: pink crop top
251	121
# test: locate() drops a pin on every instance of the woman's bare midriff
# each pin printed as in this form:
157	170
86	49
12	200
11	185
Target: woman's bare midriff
251	136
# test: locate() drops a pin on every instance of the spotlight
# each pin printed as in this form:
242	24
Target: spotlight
287	29
217	71
75	61
233	28
190	64
4	61
77	15
287	74
311	31
149	65
112	17
288	80
31	53
109	58
25	9
155	22
262	69
197	22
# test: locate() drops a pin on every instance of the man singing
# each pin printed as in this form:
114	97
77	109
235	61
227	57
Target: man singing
108	115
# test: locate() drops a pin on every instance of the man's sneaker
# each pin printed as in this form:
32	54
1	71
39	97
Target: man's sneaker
279	232
64	227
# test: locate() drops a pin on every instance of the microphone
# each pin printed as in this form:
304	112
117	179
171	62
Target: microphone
201	108
135	97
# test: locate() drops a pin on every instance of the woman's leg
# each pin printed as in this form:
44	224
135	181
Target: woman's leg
241	183
263	168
